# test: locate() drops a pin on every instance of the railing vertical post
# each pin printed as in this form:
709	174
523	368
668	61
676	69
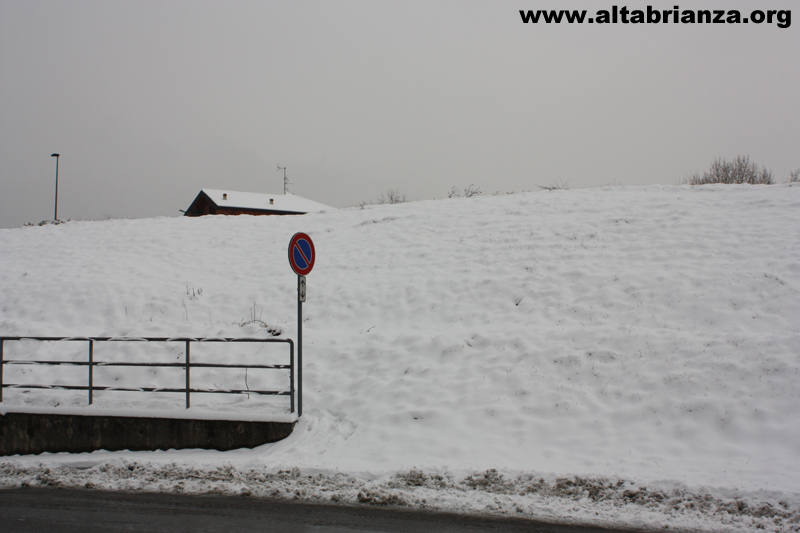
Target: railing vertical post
188	380
2	366
91	370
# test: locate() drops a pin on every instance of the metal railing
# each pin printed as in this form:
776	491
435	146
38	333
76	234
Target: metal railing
187	365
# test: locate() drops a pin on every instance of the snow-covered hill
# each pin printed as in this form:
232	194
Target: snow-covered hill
615	355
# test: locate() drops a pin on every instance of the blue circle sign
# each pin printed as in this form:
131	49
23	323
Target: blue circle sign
301	254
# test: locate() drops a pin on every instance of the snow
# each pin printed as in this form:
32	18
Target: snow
615	356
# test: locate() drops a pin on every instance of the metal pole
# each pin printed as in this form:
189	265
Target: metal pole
299	351
188	382
91	370
1	370
55	213
291	376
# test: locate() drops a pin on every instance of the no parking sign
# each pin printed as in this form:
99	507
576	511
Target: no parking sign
301	257
301	254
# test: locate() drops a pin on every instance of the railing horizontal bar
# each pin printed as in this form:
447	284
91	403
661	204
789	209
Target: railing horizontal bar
146	339
195	365
243	391
24	362
213	365
165	365
148	389
53	387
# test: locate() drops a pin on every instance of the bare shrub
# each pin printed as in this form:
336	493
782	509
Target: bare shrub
255	319
794	176
471	191
392	196
740	170
467	192
556	185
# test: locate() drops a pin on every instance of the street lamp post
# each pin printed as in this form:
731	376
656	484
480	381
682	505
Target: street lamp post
55	214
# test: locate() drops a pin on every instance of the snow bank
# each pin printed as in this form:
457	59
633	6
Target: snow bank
637	337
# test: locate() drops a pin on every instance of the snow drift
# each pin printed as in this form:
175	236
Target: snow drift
605	345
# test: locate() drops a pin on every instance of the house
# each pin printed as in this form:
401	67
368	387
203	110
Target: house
225	202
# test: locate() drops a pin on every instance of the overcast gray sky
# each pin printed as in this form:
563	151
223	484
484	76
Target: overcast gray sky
149	101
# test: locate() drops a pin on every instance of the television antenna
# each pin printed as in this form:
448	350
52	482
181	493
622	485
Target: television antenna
285	179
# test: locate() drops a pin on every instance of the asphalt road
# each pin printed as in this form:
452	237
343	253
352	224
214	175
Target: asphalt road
74	510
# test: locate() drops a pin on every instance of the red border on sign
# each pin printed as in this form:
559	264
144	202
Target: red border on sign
302	271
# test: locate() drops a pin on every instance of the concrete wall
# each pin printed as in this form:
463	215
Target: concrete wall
28	433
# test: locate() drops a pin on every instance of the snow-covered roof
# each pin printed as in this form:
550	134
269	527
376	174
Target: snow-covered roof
288	203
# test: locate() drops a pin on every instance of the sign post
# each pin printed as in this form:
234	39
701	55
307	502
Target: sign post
301	258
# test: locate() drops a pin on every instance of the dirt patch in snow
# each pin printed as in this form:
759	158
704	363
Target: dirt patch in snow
586	500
